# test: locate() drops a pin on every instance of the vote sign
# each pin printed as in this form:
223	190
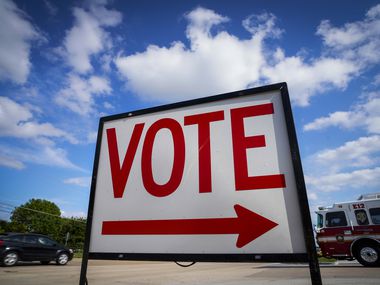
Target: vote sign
211	179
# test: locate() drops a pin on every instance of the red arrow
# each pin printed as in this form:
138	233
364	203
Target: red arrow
248	225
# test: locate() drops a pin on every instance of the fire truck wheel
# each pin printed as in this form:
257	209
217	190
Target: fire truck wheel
368	254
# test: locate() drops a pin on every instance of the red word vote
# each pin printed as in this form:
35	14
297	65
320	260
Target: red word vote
204	122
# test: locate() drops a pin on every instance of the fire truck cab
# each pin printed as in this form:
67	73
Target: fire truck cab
351	230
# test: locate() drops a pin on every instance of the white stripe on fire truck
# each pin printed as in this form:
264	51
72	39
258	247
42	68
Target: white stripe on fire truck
346	237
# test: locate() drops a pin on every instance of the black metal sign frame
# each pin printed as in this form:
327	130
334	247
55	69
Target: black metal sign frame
310	256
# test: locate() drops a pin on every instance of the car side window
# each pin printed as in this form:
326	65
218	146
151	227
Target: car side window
15	238
30	239
336	219
361	217
375	215
45	241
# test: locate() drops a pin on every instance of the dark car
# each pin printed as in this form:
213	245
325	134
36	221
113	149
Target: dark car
16	247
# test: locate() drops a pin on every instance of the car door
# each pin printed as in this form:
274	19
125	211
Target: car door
48	248
30	248
338	227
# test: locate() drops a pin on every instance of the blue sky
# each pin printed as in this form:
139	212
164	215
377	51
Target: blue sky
64	64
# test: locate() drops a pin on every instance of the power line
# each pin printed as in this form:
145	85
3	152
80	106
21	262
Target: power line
37	211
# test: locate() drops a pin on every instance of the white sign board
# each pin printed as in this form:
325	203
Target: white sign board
210	176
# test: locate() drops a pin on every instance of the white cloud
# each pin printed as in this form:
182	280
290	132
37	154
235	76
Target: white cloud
212	64
17	121
79	94
76	214
220	62
362	152
39	154
108	105
358	41
17	33
99	85
352	165
376	80
11	162
312	196
200	23
106	61
307	79
345	180
91	137
88	37
79	181
264	24
365	115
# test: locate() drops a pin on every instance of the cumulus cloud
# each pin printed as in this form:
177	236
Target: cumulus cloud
221	62
17	33
88	35
212	64
92	136
376	80
79	181
351	165
364	115
358	41
11	162
363	152
18	121
344	180
312	196
16	157
78	95
307	79
76	214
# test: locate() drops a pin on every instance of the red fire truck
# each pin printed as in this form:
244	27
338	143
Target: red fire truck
351	230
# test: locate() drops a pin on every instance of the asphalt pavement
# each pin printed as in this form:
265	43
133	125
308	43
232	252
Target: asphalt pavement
168	273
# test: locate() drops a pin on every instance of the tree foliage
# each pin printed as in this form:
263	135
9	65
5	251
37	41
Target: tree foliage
38	216
75	230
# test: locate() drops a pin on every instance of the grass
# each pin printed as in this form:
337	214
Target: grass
78	254
326	260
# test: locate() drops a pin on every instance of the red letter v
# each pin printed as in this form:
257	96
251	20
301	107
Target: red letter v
120	174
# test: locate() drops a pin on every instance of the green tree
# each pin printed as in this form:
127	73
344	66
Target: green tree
3	226
12	227
38	216
76	229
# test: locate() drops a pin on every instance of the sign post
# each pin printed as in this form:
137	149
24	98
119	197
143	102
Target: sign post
212	179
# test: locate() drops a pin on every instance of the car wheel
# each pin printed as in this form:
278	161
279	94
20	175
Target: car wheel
44	262
10	258
62	259
368	255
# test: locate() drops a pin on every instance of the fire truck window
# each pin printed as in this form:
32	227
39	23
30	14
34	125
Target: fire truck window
361	217
319	221
375	215
336	219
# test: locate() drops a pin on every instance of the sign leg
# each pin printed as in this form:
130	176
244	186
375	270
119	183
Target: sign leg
315	272
83	270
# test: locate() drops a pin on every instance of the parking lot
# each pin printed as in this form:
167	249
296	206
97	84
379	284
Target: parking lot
155	273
